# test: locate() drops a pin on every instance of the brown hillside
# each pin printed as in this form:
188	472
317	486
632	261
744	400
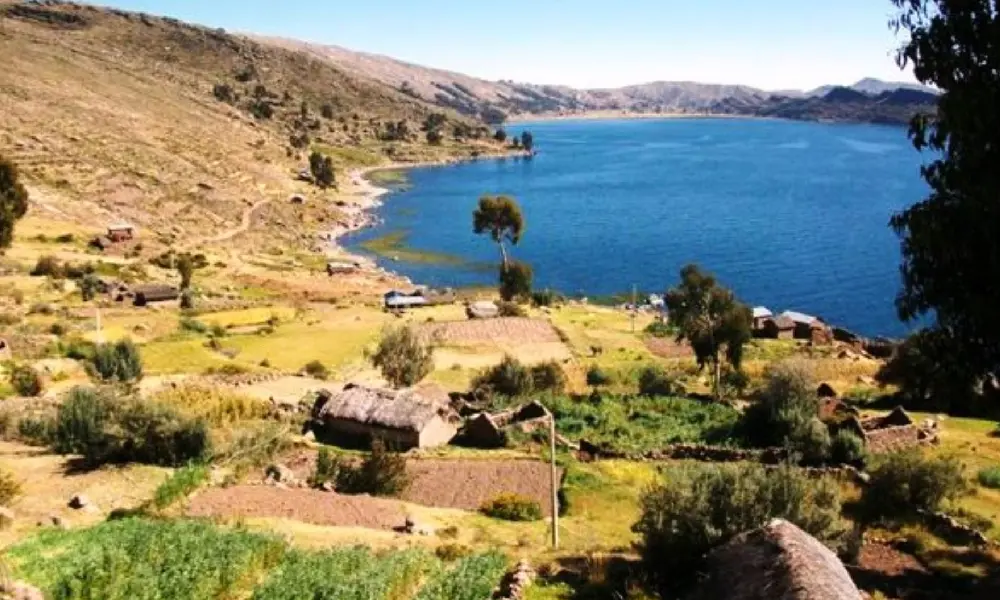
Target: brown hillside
113	115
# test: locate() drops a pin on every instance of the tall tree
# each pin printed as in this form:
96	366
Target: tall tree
321	168
950	246
13	201
501	218
711	319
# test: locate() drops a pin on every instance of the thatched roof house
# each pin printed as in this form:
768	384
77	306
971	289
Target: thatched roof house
779	561
404	419
776	328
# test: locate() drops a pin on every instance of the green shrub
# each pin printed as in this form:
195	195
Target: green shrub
381	473
694	510
193	325
316	369
452	552
509	378
847	448
654	381
10	488
35	431
326	111
180	485
548	377
57	329
515	281
903	483
105	429
989	478
327	469
659	329
402	357
786	410
544	298
26	381
596	377
119	361
512	507
812	442
218	330
48	266
510	309
77	348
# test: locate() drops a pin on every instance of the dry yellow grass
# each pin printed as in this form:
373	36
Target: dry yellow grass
217	405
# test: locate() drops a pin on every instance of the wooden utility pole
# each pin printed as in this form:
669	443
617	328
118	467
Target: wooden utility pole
100	335
555	481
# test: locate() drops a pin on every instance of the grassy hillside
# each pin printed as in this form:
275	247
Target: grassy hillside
113	115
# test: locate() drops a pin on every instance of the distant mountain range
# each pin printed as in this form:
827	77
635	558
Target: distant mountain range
868	100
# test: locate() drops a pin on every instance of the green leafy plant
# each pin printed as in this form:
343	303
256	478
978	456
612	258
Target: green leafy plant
118	362
654	381
402	357
903	483
847	448
989	477
180	485
316	369
512	507
509	378
381	473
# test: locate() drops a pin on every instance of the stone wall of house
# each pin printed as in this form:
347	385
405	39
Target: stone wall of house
891	439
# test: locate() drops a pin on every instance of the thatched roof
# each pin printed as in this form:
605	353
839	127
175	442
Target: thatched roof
407	409
776	562
155	292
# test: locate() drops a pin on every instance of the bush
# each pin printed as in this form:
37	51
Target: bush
321	168
35	431
544	298
512	507
223	92
193	325
48	266
812	442
847	448
119	362
654	381
327	469
326	111
434	137
659	329
180	485
515	281
989	478
57	329
261	109
509	378
403	359
316	369
10	488
452	552
903	483
596	377
105	429
786	408
381	473
548	377
88	285
510	309
695	510
26	381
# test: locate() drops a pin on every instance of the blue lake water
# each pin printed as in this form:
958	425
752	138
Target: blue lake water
791	215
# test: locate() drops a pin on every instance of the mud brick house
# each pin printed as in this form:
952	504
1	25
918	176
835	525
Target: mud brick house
777	328
403	419
120	232
144	295
760	315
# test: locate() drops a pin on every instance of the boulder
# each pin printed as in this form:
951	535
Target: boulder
280	474
79	502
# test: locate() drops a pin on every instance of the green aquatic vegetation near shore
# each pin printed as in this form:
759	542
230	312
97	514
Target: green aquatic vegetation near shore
393	246
392	177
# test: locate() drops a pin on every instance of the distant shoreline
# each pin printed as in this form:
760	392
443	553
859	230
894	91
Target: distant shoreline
610	115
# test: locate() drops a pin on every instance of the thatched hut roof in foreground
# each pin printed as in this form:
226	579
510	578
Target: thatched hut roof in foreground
779	561
408	409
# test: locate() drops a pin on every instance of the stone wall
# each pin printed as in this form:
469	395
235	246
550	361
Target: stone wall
515	583
698	452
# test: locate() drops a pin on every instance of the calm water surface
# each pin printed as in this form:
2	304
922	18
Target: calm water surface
791	215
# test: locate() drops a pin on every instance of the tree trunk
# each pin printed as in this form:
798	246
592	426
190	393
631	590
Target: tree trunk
503	256
718	379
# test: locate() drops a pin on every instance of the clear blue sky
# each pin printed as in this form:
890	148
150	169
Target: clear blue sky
773	44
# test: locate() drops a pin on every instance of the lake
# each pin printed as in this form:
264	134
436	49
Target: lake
791	215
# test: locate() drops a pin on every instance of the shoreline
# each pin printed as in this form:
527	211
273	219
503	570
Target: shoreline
362	197
612	115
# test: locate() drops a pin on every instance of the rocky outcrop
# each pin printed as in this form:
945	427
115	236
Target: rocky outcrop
18	590
515	583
